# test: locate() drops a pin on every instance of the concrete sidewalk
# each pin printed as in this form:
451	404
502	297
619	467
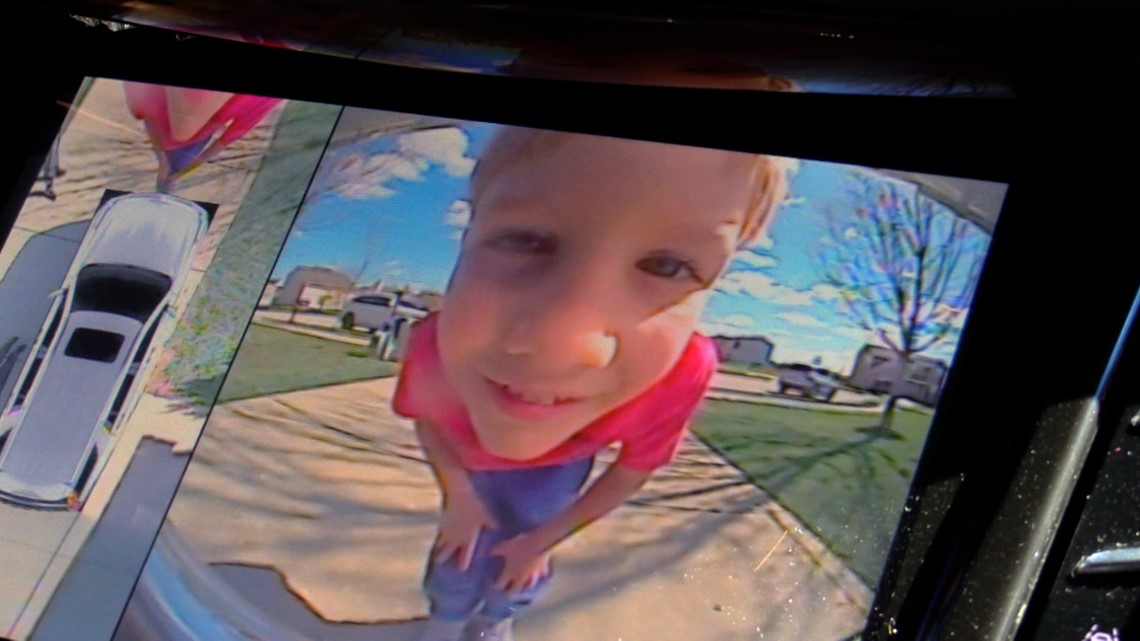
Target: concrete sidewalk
318	505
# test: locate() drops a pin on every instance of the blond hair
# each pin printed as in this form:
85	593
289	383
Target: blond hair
768	175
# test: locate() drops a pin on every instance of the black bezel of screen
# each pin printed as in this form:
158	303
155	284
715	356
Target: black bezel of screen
1053	298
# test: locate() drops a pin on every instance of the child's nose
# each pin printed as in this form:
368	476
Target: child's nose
565	324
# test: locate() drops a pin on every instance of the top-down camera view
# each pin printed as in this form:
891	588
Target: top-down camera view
109	278
60	424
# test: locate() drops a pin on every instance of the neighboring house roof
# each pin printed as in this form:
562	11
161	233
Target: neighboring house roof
916	358
976	201
326	276
760	339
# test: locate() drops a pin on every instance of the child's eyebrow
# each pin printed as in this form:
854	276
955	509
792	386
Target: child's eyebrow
701	235
516	208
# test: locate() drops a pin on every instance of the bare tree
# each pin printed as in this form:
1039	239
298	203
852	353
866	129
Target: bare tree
904	267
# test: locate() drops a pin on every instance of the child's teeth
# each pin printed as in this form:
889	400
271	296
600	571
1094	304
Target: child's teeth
537	399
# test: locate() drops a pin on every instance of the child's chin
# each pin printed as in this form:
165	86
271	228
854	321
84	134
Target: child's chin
509	447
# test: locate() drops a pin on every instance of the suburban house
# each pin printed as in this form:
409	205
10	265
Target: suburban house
745	350
881	369
269	293
314	287
429	300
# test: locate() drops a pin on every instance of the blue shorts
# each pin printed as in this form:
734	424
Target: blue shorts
520	501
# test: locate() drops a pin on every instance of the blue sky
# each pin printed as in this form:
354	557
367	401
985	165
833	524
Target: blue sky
392	208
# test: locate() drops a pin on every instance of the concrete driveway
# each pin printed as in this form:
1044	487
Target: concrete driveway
317	506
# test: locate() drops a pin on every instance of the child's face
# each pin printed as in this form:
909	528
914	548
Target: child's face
581	280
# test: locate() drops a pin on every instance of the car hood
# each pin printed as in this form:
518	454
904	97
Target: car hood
153	231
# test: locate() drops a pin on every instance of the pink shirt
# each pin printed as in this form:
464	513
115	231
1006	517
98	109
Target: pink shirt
649	427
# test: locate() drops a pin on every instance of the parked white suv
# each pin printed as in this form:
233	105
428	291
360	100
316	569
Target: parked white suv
373	311
811	382
85	369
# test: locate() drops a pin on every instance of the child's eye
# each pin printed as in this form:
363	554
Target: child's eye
667	266
525	242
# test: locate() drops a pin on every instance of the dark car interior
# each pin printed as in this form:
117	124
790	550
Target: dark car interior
125	290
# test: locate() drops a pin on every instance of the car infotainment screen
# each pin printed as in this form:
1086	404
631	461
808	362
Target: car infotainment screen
273	369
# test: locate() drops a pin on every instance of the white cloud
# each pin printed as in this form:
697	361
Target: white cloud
733	325
362	191
738	320
825	292
857	333
358	177
791	297
752	259
956	315
800	319
388	166
794	335
458	214
446	146
943	351
764	240
836	361
361	176
761	286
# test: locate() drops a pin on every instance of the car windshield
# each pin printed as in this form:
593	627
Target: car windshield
120	289
372	300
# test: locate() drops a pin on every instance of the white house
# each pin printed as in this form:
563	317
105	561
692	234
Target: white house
314	287
745	350
881	369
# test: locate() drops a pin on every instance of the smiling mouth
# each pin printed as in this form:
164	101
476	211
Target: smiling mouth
538	398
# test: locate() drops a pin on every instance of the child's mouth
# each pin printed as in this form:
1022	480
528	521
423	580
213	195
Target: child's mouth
530	403
534	397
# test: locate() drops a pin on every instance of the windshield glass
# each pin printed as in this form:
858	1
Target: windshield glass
120	289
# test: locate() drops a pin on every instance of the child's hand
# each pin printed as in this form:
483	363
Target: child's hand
525	563
464	517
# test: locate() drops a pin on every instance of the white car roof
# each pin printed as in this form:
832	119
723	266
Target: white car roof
66	408
154	231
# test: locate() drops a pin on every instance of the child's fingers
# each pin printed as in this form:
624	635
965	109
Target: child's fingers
456	552
459	554
517	582
443	552
503	582
464	555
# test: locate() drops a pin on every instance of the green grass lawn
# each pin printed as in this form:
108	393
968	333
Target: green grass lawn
275	360
847	485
